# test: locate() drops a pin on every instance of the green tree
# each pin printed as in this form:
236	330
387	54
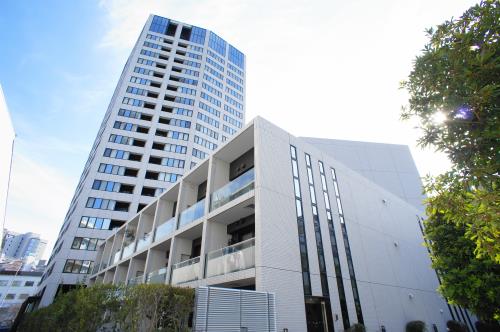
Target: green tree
454	90
115	308
155	308
466	280
457	77
84	309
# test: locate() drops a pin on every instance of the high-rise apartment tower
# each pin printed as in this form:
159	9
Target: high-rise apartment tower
180	95
22	246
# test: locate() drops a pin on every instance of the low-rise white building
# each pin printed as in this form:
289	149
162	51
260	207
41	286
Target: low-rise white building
15	288
275	213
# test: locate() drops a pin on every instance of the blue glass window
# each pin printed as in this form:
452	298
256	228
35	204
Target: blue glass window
198	35
159	24
217	44
236	57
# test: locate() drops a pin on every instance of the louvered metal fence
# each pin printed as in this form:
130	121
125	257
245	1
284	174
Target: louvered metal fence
234	310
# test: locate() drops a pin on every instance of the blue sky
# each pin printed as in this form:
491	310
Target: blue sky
55	78
325	68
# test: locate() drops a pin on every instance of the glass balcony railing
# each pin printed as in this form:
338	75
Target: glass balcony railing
134	281
165	229
103	266
128	249
239	256
144	241
117	256
234	189
96	268
157	277
192	213
186	271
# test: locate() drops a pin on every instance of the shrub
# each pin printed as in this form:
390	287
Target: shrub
487	326
454	326
357	328
136	308
416	326
155	307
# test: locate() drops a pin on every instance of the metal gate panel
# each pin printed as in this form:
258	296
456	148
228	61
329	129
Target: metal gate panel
233	310
254	311
223	310
200	309
272	312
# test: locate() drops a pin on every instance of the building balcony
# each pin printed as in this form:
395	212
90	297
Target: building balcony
192	213
185	271
117	256
103	266
237	257
97	268
165	229
128	250
234	189
157	277
134	281
144	241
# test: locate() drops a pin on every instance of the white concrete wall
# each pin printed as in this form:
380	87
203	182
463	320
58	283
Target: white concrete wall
394	278
391	166
9	288
392	268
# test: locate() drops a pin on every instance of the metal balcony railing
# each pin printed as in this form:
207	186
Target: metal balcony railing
237	257
128	250
157	277
185	271
117	256
165	229
144	241
135	281
192	213
234	189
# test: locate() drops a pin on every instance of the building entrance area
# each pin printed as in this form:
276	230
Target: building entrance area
318	314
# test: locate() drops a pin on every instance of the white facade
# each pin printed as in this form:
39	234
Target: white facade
180	96
391	166
7	136
234	221
15	287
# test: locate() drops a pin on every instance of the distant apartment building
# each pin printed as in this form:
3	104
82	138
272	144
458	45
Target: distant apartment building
275	213
23	245
7	136
180	96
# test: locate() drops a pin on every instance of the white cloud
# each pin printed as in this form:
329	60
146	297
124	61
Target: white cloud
38	199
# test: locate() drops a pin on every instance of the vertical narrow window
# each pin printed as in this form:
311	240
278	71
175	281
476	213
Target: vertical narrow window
304	260
317	229
335	251
352	275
